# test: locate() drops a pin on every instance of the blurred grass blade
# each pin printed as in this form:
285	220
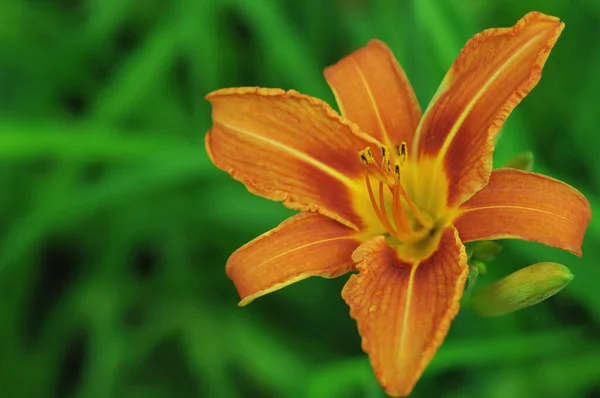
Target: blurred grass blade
281	42
84	142
147	177
437	25
139	73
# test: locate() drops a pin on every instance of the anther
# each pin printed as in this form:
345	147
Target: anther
402	151
385	159
366	156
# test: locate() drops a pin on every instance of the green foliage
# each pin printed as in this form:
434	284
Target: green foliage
523	288
116	227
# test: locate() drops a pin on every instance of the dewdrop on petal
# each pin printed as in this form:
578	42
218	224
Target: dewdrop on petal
521	289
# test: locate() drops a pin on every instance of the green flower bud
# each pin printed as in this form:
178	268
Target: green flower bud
523	288
486	251
523	161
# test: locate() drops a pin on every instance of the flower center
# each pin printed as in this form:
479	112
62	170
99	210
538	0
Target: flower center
394	208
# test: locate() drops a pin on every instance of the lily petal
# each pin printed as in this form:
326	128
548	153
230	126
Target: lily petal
494	71
525	205
372	90
404	310
304	245
289	147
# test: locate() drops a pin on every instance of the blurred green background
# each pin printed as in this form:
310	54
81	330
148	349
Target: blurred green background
115	227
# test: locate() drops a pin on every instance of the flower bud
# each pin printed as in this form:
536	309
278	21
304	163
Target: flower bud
522	161
486	251
523	288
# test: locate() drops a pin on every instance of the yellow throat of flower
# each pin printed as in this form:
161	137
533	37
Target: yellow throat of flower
410	206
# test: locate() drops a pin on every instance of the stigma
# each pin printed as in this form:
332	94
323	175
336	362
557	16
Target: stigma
394	208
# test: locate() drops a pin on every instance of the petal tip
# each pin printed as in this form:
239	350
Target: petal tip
554	25
540	16
380	44
245	301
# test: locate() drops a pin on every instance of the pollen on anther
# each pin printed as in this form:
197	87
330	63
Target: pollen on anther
401	151
385	161
366	156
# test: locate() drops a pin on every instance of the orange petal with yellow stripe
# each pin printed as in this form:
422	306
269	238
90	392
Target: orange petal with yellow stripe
523	205
494	71
404	310
372	90
288	147
305	245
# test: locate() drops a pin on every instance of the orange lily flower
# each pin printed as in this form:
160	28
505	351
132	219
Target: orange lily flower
390	192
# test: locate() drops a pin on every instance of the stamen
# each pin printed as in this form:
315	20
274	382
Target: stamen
414	209
385	220
379	212
385	160
377	174
375	171
398	212
372	197
399	224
